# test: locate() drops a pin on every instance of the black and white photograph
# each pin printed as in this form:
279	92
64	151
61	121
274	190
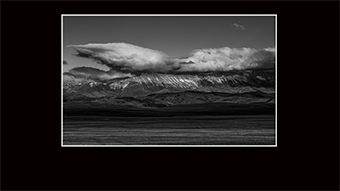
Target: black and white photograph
169	95
169	80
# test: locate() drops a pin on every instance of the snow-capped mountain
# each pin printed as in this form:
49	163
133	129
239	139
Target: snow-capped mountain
75	88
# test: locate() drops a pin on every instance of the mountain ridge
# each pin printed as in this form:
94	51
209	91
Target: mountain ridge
155	90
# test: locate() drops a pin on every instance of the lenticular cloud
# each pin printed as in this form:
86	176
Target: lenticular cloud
125	57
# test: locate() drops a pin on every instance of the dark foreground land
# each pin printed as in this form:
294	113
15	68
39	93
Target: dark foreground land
91	123
171	130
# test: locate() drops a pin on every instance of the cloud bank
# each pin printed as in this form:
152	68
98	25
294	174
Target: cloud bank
94	73
126	58
225	59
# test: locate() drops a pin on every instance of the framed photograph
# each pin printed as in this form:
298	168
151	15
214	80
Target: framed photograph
171	95
169	80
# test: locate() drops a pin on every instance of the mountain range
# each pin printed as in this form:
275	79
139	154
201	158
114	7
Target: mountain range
163	91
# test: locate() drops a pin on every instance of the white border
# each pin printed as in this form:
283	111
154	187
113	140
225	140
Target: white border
71	15
62	81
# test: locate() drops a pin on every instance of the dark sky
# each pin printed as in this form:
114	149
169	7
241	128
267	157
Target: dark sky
176	36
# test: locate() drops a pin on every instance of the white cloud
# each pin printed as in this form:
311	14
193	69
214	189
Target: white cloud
125	58
238	26
225	59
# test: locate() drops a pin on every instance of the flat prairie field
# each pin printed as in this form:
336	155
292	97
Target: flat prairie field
175	130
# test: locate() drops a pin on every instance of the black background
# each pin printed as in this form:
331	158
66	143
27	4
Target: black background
307	156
